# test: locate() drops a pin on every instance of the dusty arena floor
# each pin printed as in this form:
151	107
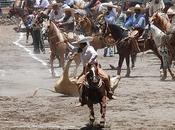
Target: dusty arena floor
143	101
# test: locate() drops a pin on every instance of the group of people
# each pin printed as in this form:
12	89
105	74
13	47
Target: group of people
133	18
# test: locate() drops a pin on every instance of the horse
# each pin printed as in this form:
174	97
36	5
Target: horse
94	92
161	20
85	25
162	44
126	45
58	45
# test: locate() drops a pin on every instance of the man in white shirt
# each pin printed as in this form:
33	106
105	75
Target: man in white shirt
89	56
41	4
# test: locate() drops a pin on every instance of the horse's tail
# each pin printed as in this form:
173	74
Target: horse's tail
35	92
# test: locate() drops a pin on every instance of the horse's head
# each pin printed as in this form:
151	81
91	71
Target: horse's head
83	23
92	75
160	20
47	25
155	18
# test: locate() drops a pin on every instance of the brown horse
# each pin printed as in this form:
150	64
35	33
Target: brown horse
94	92
161	20
58	45
85	25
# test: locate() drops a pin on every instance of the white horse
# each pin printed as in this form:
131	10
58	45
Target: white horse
159	39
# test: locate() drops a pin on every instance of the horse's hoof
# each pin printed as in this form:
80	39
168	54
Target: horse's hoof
163	78
113	67
127	75
102	122
173	78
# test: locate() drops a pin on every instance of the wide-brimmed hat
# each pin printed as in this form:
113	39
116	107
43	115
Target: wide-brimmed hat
170	12
82	39
54	3
136	7
129	11
110	4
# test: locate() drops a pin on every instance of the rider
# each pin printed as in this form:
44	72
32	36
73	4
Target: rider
139	21
171	16
129	17
156	6
89	56
90	5
111	14
110	18
56	13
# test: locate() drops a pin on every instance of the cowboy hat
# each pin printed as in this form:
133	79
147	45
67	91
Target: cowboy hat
170	12
110	4
54	3
82	39
129	11
136	7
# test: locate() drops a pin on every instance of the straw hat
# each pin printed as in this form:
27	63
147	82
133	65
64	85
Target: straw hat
170	12
110	4
83	39
54	3
129	11
136	7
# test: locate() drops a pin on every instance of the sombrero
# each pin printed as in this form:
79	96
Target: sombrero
170	12
136	7
110	4
54	3
82	39
129	11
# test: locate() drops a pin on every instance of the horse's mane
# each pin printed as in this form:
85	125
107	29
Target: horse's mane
57	31
116	31
163	21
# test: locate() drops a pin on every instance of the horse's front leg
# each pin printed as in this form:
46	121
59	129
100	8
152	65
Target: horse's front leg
133	59
121	58
171	73
164	74
52	56
91	116
103	111
128	66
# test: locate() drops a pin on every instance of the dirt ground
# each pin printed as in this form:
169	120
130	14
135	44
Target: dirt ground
143	101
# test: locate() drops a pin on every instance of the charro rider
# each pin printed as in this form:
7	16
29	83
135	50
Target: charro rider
138	22
89	56
56	12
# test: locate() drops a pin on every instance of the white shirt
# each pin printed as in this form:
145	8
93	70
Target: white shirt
88	54
41	3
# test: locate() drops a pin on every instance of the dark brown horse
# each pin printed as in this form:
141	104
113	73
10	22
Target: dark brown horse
94	92
125	45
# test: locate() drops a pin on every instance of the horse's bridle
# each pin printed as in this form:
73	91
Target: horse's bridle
92	84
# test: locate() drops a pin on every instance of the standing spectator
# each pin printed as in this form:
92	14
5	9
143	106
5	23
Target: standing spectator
28	24
37	35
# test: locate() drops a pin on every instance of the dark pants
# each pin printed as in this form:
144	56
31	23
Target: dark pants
38	41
